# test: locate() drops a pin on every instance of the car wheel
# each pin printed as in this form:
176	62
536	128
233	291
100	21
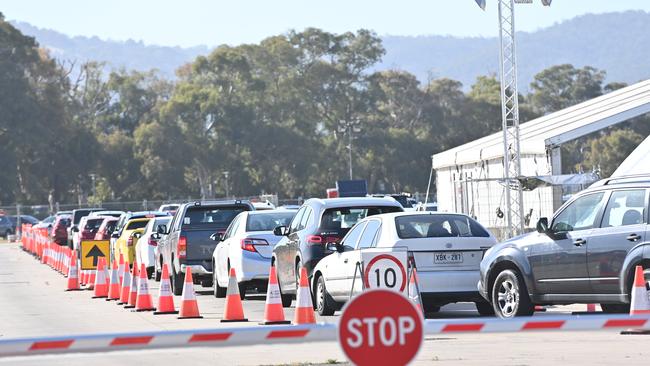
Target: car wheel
177	282
7	233
615	308
510	296
297	273
157	272
484	308
149	272
242	290
324	302
219	292
286	299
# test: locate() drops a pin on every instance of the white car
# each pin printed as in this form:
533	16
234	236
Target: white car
171	208
447	249
247	246
146	245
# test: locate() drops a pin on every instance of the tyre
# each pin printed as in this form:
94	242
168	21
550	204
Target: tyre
242	290
324	303
615	308
150	272
219	292
510	296
7	233
297	273
157	273
177	282
286	299
484	308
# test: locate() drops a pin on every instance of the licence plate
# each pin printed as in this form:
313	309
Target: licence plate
448	257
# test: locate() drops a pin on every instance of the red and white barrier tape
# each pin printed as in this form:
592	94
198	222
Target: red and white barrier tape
228	337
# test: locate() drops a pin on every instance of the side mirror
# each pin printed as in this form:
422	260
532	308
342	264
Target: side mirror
115	235
280	231
75	229
155	236
137	235
542	225
216	237
162	229
334	247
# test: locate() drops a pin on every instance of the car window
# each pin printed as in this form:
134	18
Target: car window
232	229
351	239
346	217
368	236
133	225
304	221
580	214
295	223
438	226
268	222
624	208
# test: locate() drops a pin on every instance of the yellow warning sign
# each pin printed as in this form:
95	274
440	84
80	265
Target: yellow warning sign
91	250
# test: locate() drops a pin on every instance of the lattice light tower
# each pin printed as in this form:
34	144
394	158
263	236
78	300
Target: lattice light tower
510	114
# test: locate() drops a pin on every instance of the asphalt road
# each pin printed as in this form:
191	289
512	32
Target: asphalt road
33	303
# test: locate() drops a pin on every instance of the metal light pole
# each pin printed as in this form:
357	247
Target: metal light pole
350	127
510	114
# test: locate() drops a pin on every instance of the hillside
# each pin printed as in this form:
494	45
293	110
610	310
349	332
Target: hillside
615	42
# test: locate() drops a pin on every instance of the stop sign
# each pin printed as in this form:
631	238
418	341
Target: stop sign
380	327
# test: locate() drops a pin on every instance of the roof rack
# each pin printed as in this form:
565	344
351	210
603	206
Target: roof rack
632	178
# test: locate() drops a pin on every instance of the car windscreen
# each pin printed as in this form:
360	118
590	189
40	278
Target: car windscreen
93	224
211	216
133	225
345	217
268	221
438	226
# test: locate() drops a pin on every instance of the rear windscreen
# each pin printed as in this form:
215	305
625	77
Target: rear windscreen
93	224
346	217
137	225
211	216
438	226
268	222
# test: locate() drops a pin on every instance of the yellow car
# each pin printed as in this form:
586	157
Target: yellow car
125	244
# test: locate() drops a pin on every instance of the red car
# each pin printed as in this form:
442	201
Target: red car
59	229
106	228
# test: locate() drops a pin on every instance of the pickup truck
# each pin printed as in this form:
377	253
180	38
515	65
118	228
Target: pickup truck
187	242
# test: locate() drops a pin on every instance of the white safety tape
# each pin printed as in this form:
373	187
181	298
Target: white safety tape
228	337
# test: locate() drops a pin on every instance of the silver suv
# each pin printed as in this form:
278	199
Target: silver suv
585	254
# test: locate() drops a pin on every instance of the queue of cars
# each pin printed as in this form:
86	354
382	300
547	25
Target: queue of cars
586	253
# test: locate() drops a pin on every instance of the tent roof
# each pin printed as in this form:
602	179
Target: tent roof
556	128
638	162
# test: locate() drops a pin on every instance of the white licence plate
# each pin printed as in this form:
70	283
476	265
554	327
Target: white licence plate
448	257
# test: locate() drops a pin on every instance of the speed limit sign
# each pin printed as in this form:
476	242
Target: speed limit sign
385	270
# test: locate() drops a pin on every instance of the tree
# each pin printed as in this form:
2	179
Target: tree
562	86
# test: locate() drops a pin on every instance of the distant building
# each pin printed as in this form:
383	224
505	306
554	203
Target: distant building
467	176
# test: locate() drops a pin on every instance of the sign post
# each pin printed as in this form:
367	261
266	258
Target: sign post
390	334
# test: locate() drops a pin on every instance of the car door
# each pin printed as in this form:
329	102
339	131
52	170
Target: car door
338	276
559	263
367	240
622	227
283	252
223	249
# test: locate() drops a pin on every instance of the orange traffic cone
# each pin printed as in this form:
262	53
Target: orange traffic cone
143	301
92	274
304	305
114	286
640	301
73	278
414	291
189	305
101	286
126	285
133	294
233	309
120	269
273	311
165	297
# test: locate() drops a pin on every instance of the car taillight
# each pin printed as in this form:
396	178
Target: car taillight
314	239
181	247
249	244
129	241
153	242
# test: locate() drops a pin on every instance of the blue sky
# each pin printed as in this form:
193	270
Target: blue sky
213	22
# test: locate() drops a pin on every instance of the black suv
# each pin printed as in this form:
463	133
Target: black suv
585	254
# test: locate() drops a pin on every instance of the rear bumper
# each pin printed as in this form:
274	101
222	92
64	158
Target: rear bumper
197	269
445	282
253	267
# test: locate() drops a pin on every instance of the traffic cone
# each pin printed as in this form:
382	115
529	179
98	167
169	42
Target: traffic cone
120	269
114	286
273	311
92	274
233	309
126	285
165	297
640	302
73	278
133	289
414	291
101	286
143	301
189	305
304	305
